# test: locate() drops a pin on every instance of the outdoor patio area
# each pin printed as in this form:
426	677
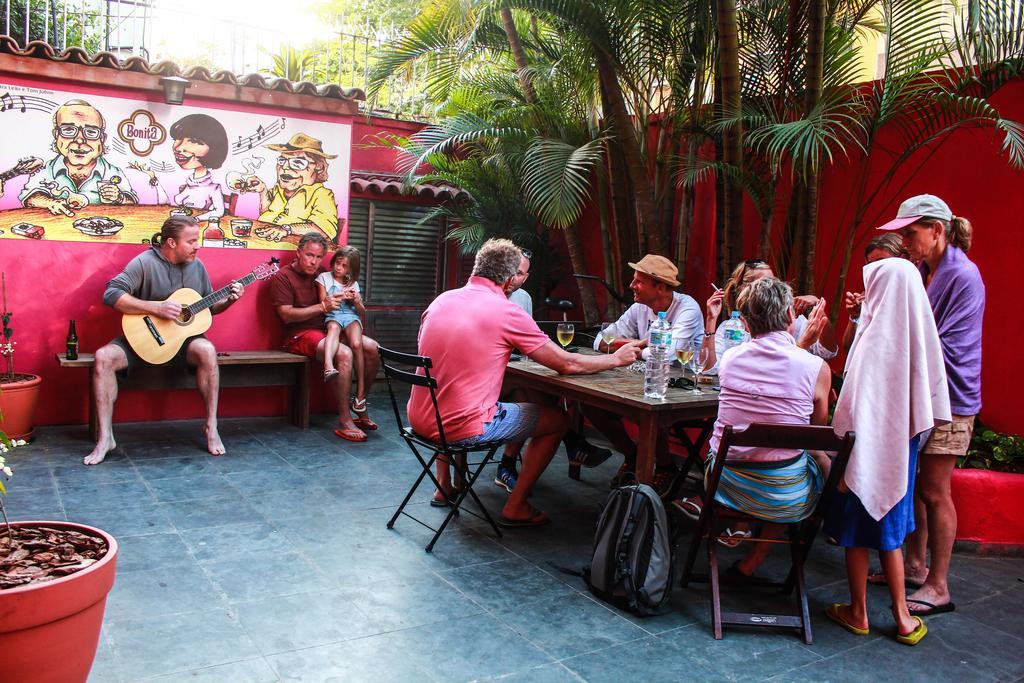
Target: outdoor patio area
273	563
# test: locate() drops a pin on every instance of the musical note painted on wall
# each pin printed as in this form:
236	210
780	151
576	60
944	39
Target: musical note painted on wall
245	144
25	103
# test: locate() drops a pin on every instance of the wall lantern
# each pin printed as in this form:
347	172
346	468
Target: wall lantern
174	89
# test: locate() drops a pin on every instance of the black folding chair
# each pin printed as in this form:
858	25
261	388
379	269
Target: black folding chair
800	534
466	472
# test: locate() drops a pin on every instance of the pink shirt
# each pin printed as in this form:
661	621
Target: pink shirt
768	379
469	334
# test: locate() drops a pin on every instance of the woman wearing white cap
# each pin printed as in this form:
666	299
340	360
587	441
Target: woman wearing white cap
938	242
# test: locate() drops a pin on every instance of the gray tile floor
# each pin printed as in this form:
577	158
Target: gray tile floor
273	563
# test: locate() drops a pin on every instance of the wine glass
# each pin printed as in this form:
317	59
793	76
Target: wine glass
608	335
565	333
684	351
698	361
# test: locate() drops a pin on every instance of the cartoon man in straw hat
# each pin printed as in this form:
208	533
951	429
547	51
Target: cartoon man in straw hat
299	202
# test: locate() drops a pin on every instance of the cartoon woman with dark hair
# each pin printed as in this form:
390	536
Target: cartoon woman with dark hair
200	144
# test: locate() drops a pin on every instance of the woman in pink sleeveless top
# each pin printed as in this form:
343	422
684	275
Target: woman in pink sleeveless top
768	380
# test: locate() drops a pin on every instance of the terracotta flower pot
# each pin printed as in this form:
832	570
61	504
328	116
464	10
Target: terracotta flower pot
49	631
18	406
988	508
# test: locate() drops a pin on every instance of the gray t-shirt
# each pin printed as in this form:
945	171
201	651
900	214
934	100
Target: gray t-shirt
151	277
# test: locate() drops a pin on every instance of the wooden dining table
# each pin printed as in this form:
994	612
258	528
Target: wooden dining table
621	391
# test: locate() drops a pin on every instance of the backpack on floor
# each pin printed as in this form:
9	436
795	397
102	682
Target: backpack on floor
633	563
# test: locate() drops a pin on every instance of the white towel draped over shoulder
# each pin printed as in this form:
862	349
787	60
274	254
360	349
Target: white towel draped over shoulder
895	385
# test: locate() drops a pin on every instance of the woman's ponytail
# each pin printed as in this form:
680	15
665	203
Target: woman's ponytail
960	233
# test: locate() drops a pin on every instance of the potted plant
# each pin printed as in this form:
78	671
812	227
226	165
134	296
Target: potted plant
54	580
19	392
988	485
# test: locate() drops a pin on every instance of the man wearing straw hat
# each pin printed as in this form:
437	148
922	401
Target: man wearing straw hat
654	283
299	202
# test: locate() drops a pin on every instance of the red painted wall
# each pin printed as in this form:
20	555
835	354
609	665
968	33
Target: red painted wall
50	283
968	171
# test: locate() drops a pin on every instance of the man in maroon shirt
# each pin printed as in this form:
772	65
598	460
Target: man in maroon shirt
294	294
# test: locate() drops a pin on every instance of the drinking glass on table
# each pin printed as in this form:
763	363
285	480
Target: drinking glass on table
565	333
684	351
698	361
608	335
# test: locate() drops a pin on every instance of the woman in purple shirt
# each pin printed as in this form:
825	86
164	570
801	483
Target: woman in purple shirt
938	242
200	144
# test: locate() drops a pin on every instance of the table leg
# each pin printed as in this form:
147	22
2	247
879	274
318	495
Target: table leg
646	446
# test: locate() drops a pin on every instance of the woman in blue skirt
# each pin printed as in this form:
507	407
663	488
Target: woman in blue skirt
895	389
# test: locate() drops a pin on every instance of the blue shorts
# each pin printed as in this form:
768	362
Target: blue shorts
512	422
343	317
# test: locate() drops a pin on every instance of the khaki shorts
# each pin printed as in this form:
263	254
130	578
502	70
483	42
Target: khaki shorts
951	439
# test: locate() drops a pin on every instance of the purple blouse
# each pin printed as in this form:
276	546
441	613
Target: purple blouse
957	295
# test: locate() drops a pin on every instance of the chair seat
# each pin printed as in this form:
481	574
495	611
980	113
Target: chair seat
409	433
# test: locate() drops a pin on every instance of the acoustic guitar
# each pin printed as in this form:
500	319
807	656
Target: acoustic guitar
157	340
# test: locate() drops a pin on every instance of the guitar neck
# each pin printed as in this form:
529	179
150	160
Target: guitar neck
213	298
7	175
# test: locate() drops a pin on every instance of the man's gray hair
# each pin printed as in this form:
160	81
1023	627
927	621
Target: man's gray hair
765	305
314	237
497	260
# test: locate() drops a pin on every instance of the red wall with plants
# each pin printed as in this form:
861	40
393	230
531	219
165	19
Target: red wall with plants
970	173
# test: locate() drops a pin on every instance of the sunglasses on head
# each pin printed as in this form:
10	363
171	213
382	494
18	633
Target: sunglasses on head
755	263
527	253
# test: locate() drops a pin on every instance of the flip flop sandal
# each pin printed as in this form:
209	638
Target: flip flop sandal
832	612
330	374
359	406
930	609
350	435
734	538
689	507
537	519
364	422
915	636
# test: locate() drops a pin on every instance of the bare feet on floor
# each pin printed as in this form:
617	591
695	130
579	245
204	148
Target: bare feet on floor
100	452
213	442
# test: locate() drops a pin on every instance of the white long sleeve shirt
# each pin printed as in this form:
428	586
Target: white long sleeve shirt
683	314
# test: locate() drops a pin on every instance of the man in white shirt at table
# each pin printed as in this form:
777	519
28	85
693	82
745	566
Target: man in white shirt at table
653	286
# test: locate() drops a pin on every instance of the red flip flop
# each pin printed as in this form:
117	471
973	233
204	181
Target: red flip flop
350	435
538	518
365	422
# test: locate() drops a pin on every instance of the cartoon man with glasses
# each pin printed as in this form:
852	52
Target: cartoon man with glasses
299	202
79	175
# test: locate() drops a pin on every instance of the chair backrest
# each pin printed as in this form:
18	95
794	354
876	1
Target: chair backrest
801	437
390	360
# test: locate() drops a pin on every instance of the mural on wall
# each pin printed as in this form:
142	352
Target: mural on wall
86	168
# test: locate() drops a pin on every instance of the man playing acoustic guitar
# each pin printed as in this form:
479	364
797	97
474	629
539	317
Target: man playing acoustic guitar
141	289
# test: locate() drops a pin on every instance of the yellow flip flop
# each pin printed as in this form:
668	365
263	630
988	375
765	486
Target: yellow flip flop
915	636
832	612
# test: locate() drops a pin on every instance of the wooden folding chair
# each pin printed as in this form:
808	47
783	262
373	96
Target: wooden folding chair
800	534
466	472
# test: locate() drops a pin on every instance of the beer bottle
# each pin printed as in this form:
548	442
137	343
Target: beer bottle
72	343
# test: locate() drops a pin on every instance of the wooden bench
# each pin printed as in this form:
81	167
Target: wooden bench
237	369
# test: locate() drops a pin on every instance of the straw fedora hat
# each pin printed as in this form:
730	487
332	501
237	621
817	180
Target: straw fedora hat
301	142
658	267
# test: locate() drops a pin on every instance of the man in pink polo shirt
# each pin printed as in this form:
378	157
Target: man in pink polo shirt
469	333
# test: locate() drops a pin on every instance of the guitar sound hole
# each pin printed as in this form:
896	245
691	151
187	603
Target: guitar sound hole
184	318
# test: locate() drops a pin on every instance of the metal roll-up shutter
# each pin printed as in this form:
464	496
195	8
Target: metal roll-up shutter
401	267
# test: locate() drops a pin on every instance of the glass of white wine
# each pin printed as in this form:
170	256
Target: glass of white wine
608	335
565	333
698	361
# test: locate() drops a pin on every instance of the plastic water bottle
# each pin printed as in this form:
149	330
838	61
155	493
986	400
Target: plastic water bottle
734	334
659	342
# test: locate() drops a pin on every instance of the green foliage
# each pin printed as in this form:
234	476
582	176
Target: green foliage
994	451
290	63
